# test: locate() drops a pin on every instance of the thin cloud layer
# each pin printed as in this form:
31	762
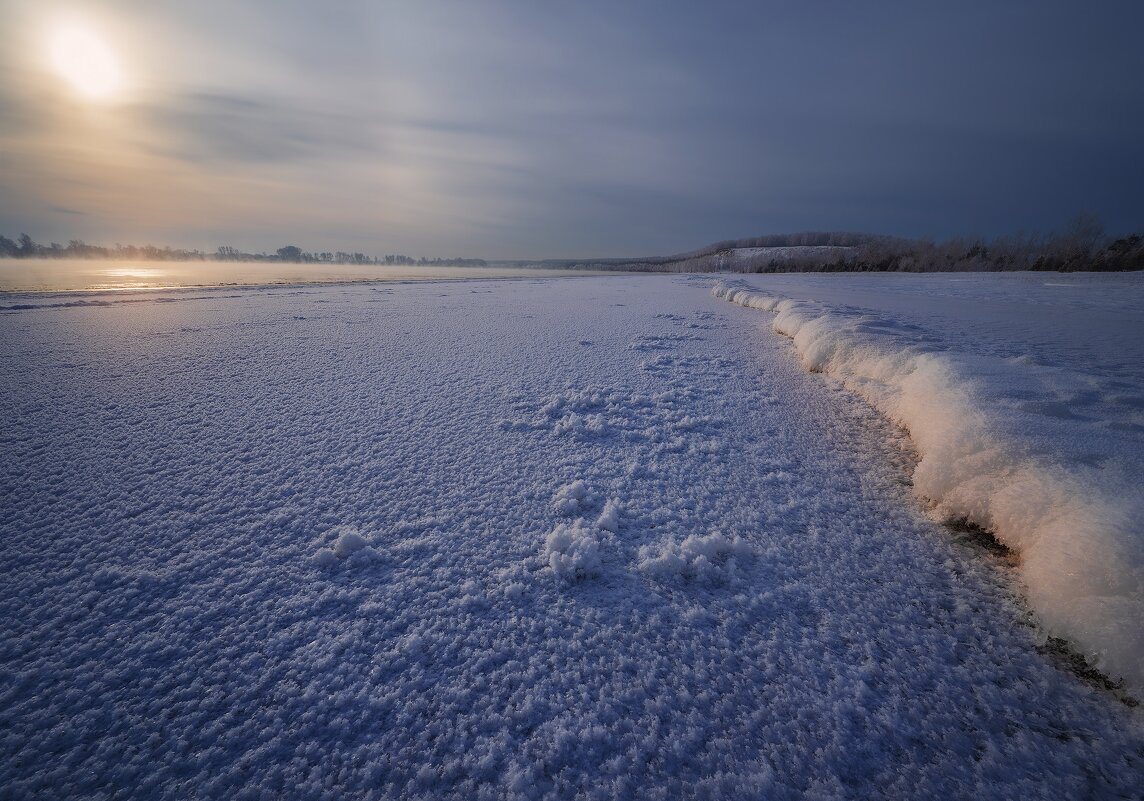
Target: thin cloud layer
511	130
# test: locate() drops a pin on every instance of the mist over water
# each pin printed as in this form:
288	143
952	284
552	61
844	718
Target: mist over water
57	275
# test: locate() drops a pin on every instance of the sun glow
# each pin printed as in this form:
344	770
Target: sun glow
83	60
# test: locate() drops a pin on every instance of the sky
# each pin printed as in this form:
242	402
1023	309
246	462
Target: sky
545	130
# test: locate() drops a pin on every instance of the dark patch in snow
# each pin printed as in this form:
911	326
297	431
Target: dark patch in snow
1062	654
980	540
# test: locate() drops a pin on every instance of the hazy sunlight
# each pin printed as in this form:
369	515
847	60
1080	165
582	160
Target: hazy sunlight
83	60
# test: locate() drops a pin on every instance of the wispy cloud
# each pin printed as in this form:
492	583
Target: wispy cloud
509	128
235	129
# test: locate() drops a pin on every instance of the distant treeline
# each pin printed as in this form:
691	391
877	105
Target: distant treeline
1083	247
717	257
1061	254
24	247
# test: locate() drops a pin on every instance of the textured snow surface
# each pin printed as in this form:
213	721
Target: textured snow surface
1038	437
534	539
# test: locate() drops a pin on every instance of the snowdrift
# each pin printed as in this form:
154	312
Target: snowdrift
996	449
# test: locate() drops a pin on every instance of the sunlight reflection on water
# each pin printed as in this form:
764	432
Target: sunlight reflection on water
53	275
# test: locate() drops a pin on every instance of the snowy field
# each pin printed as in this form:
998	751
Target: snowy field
551	538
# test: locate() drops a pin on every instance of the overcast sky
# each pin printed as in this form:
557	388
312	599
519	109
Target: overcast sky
535	129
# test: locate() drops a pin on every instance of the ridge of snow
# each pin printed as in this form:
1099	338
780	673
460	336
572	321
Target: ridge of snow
1076	526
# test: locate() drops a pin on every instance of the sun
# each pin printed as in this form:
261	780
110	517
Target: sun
86	63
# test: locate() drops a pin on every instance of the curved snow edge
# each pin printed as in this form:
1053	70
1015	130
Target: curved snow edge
1075	527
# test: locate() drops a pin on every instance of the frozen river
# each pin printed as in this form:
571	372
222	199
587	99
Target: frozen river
603	538
67	275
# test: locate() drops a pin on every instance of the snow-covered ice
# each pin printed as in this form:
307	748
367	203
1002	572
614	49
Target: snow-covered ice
1026	406
555	538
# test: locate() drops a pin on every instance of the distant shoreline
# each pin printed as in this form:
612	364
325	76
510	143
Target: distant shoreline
50	276
1082	248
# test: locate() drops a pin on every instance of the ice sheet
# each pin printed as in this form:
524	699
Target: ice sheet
532	539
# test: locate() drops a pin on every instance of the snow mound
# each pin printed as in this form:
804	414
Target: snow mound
747	298
572	550
580	425
713	558
349	541
609	519
348	544
572	498
1061	490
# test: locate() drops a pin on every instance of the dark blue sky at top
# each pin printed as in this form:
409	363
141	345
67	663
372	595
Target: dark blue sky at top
518	129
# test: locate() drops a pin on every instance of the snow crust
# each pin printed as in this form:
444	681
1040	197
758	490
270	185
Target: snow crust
1044	456
349	542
